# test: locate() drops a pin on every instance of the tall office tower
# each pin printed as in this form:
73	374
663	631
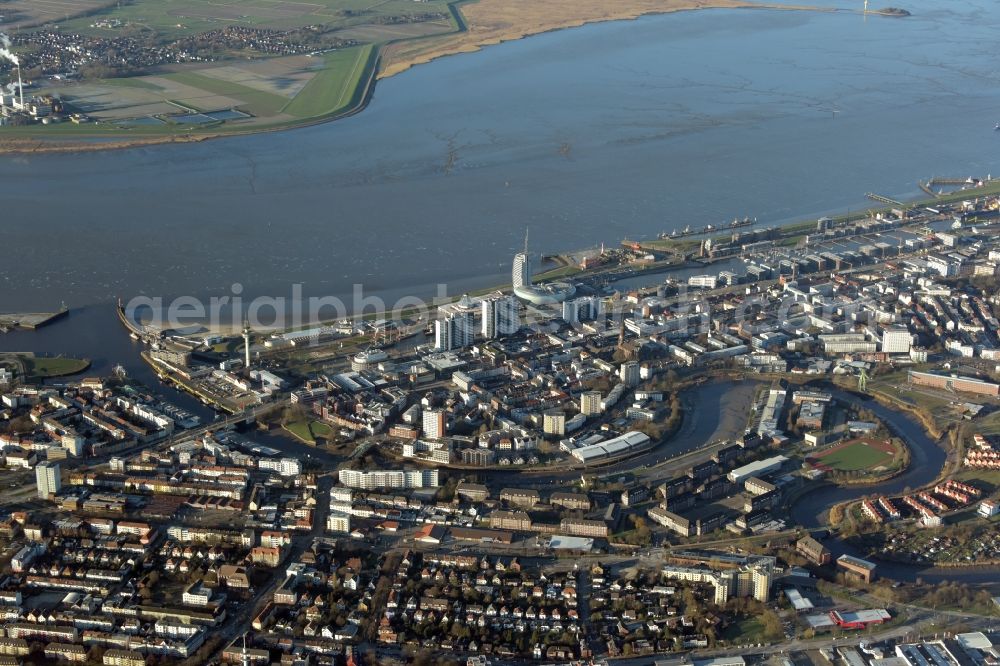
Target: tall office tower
435	423
500	316
629	374
590	403
47	479
521	275
454	331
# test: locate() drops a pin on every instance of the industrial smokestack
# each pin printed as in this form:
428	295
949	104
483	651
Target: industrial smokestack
5	49
5	54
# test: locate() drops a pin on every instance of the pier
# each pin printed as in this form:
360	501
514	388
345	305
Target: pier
147	334
926	187
954	181
929	186
881	199
30	320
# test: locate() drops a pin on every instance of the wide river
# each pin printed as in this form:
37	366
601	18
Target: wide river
585	135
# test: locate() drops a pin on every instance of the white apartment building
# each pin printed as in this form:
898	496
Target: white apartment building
389	478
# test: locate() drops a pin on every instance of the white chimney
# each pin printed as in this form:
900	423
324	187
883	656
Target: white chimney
20	86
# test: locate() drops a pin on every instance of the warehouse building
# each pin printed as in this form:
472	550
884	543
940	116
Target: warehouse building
627	444
855	567
950	383
757	469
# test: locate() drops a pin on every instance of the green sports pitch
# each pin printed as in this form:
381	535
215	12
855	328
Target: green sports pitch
854	456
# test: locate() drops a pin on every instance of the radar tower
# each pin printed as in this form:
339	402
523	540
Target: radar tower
246	342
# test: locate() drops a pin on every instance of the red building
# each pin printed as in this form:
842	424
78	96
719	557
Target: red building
860	619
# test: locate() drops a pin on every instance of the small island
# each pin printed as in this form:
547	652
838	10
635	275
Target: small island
893	11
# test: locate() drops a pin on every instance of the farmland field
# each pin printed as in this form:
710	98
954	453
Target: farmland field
218	89
284	89
172	19
17	14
